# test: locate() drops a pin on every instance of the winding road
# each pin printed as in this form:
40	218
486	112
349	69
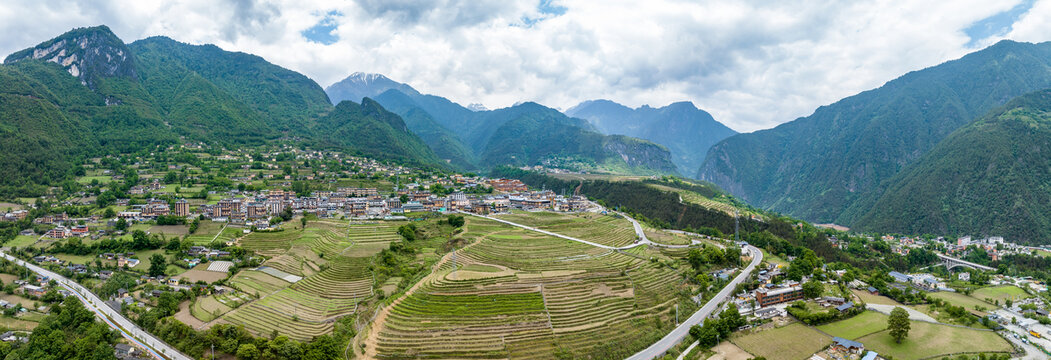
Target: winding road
157	348
675	336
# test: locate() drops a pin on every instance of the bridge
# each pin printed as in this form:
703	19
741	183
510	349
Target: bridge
951	262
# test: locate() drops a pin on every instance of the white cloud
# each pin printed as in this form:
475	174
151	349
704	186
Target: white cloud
751	64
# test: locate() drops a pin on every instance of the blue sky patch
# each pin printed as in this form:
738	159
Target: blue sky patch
324	32
996	25
547	9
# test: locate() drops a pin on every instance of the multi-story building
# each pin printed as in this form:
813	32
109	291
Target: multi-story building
766	297
182	208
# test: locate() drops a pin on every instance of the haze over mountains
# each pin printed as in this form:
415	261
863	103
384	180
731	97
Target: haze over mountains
524	134
687	131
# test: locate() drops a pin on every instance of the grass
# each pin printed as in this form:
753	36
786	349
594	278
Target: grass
22	241
773	259
929	340
863	324
791	342
1000	293
874	299
965	301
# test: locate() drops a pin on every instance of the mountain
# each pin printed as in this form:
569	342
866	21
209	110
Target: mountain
90	54
989	178
85	93
685	130
821	166
446	144
361	85
370	130
524	134
285	100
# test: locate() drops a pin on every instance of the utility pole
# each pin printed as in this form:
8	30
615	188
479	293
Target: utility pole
737	226
676	314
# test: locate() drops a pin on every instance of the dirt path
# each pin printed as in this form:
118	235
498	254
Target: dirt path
371	338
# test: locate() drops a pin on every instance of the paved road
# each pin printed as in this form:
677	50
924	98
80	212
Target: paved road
680	332
111	317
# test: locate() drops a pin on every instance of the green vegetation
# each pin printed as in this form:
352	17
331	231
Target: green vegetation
867	322
898	324
928	340
791	342
867	138
990	169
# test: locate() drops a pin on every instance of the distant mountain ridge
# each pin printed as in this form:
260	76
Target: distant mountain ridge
685	130
824	166
525	134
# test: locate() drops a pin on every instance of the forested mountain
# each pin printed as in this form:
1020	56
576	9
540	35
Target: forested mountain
387	136
524	134
989	178
85	93
818	167
285	99
684	129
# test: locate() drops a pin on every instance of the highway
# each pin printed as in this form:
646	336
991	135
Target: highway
680	332
111	317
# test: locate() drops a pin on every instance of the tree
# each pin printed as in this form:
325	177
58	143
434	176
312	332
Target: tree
121	224
813	288
456	220
898	324
157	265
247	352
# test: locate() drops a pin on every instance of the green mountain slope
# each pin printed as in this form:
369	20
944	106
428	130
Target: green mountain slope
370	130
285	99
990	178
60	103
818	167
446	144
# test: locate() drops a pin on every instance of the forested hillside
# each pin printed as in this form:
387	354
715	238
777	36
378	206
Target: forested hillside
62	102
818	167
990	178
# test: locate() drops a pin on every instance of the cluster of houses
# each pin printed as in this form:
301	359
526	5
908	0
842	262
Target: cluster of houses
922	281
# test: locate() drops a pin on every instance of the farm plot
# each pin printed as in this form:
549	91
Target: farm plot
602	229
257	282
195	275
965	301
1000	293
791	342
522	295
308	307
206	232
928	340
863	324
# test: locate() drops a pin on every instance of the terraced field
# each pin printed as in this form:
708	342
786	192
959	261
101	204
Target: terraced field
602	229
333	281
523	295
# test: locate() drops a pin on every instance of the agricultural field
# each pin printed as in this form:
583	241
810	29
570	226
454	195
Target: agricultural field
518	294
198	273
664	237
863	324
22	241
333	260
967	302
612	230
874	299
695	198
790	342
1000	293
928	340
206	231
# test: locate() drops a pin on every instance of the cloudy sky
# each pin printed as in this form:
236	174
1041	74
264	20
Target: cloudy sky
752	64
